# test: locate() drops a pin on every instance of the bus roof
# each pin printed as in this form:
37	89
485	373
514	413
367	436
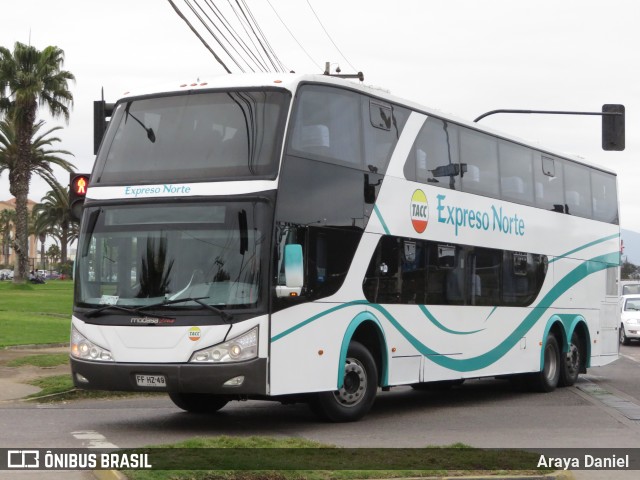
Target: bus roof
291	81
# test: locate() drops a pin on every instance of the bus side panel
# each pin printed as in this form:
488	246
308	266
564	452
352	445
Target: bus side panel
305	346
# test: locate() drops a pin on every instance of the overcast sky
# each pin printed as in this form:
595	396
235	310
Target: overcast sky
463	57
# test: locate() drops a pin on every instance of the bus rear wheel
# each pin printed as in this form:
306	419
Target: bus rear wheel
572	362
548	378
358	392
198	402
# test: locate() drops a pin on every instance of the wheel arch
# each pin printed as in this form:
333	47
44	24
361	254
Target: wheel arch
366	329
562	327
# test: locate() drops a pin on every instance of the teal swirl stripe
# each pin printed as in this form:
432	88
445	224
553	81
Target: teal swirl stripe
576	275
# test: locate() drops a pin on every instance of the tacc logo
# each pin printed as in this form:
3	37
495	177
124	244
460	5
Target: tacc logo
419	211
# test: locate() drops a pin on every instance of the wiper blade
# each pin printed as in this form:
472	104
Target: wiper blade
227	317
96	311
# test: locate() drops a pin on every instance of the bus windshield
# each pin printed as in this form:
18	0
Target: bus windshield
193	137
134	256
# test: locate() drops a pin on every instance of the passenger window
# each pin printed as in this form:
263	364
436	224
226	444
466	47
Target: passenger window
605	203
577	190
516	173
480	154
434	156
327	126
381	132
548	186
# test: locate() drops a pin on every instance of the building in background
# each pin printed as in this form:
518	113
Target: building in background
7	253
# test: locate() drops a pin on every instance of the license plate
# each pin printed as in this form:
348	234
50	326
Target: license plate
158	381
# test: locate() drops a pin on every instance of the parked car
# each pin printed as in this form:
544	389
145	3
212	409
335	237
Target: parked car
629	318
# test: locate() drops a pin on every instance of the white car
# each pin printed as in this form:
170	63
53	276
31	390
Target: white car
629	318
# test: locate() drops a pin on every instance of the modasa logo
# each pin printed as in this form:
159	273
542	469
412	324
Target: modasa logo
419	211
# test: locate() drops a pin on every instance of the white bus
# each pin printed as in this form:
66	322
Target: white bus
303	237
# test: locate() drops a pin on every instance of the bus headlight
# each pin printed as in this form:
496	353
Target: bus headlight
243	347
85	350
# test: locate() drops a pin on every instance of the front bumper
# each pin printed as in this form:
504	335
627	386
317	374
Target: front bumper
632	331
182	377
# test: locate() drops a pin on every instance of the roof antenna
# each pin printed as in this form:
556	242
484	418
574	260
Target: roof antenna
327	71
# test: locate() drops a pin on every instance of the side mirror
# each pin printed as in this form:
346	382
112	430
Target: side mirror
293	272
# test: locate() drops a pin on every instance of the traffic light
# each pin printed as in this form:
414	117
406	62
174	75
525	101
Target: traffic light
613	129
78	183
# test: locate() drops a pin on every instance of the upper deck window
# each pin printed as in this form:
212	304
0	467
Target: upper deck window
345	128
196	137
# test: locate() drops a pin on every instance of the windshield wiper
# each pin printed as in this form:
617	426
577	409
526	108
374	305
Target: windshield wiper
227	317
97	311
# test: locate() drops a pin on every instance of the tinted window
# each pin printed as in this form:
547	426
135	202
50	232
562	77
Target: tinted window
327	126
548	185
205	136
479	155
345	128
434	156
577	193
409	271
605	199
516	173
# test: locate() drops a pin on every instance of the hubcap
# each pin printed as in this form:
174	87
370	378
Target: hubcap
573	359
354	385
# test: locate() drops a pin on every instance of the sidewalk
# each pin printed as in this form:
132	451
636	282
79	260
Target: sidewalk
14	381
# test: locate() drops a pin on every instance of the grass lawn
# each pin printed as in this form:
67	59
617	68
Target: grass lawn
35	314
301	457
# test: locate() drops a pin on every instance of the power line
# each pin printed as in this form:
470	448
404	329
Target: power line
232	31
199	36
253	30
193	10
329	36
293	36
266	40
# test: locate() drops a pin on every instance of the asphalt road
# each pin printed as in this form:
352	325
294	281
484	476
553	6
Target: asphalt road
483	413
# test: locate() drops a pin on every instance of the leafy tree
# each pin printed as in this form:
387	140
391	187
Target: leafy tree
29	77
627	269
52	215
53	252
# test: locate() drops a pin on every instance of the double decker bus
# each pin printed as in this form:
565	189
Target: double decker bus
306	238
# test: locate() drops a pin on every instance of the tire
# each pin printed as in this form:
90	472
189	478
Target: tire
624	340
358	392
573	362
198	402
547	380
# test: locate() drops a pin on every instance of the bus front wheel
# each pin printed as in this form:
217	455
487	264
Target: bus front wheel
358	392
197	402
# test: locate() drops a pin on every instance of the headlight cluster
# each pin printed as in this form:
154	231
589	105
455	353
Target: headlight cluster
243	347
85	350
631	321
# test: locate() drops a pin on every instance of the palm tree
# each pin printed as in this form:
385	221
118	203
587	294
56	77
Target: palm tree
29	77
42	156
7	222
52	215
